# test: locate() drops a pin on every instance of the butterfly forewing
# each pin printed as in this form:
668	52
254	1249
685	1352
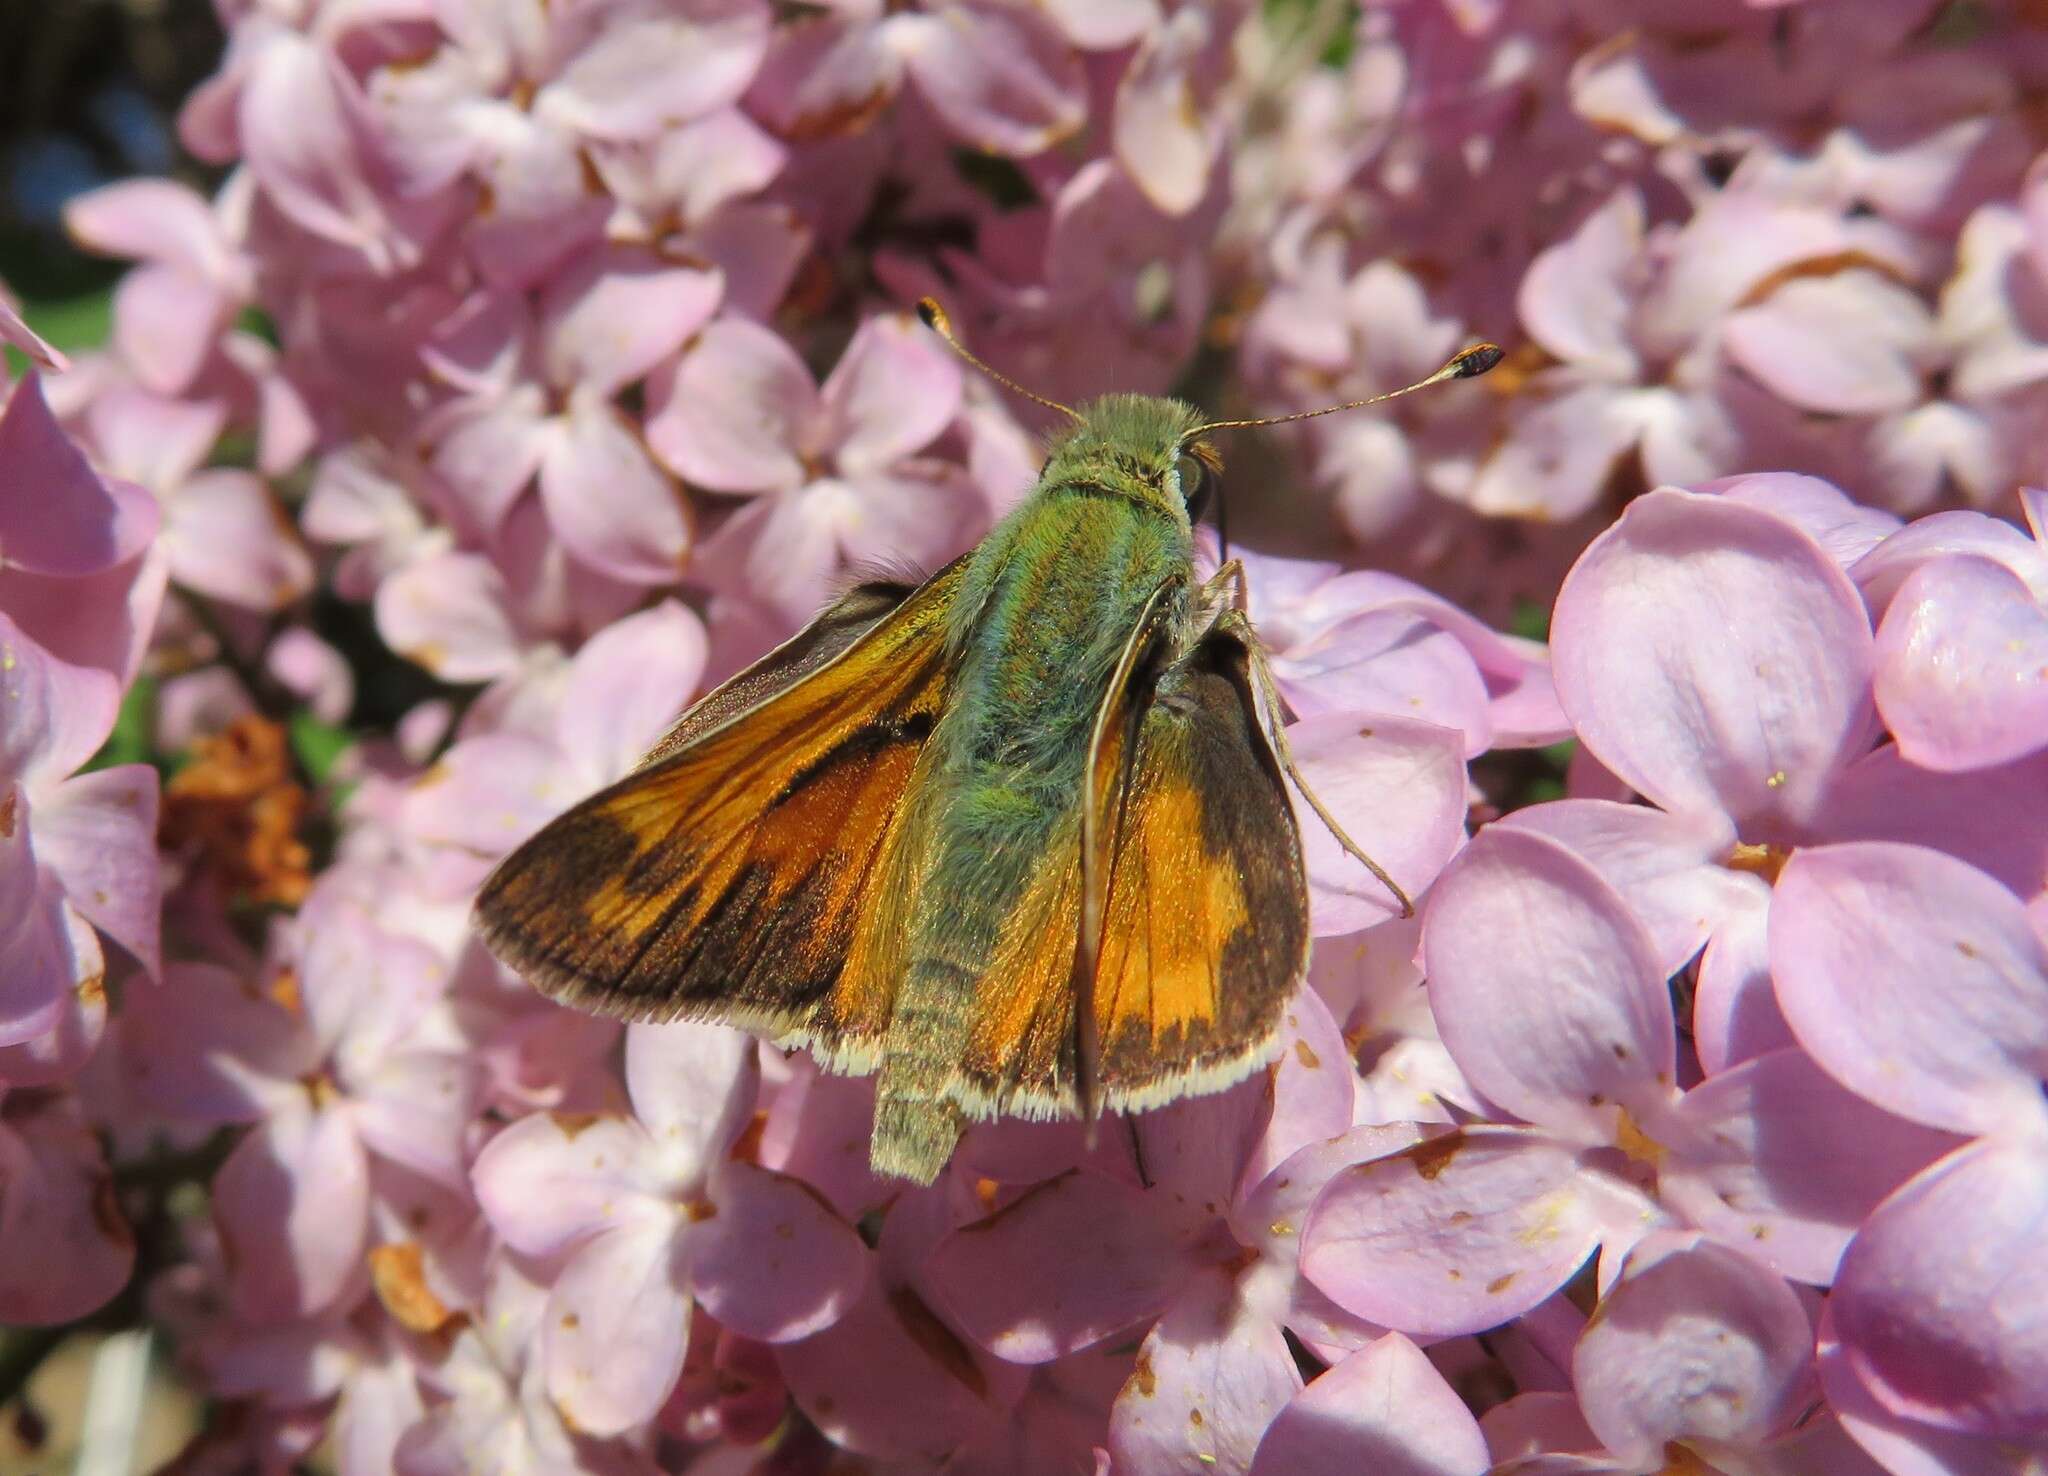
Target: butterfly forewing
728	878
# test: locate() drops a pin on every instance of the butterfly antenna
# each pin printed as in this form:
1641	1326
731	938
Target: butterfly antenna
935	318
1468	363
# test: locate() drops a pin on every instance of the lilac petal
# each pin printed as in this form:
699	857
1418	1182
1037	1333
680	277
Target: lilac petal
1013	1283
1102	25
608	502
1880	572
1314	1083
1853	343
1667	867
58	1054
688	173
1572	299
1394	662
167	323
50	950
148	220
891	1381
292	1206
617	311
553	1179
618	1320
228	538
1699	1344
818	1129
98	833
487	451
1714	658
1942	1300
1161	134
1210	1379
1962	666
415	1109
1397	786
58	714
693	1088
204	1048
1905	1447
448	613
1002	80
1996	819
1384	1409
309	137
69	1249
491	792
894	389
1754	1158
1547	990
827	75
1269	1218
626	686
1846	529
313	671
1858	931
730	416
649	71
1456	1234
1735	1013
1535	1424
772	1262
56	515
151	440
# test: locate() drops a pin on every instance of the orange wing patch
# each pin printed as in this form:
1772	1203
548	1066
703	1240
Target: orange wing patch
731	877
1205	934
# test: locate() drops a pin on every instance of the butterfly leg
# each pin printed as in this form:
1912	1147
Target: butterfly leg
1235	620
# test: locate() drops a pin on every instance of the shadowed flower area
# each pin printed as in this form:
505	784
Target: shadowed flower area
473	385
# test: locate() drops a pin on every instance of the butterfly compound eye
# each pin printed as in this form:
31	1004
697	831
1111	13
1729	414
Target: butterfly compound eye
1195	485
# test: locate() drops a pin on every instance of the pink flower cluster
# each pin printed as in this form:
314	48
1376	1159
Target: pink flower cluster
1697	1123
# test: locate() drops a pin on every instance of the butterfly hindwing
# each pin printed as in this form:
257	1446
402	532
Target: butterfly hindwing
1205	937
728	878
1204	933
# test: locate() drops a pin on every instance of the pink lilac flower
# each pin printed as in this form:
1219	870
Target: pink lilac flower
79	587
225	533
1915	979
649	1214
171	310
833	474
1199	1231
357	1064
1751	731
535	407
1002	80
70	1247
567	729
1693	1353
1962	643
1553	1004
488	1407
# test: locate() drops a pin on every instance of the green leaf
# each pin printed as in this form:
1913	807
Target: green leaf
1530	620
133	740
318	745
73	325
